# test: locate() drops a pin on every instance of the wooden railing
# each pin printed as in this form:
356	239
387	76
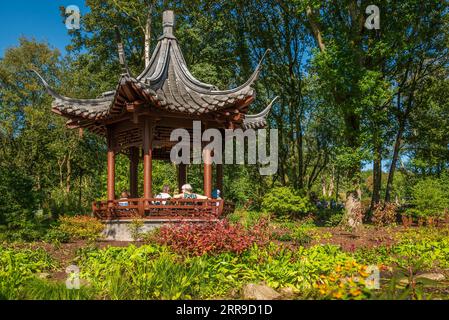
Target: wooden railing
158	208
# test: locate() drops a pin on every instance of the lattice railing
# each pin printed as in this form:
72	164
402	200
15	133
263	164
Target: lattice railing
158	208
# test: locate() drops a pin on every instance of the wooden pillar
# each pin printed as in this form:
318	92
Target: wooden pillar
147	159
219	167
182	175
207	173
133	171
219	177
111	176
111	169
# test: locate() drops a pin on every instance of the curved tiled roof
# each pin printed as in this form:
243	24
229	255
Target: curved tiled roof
166	83
259	120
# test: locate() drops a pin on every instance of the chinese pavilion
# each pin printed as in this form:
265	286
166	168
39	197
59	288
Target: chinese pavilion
138	116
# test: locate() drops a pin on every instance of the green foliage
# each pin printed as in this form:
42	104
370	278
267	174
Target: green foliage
151	272
282	201
81	227
17	266
16	196
156	272
303	233
22	229
343	106
247	218
430	197
57	236
329	217
38	289
428	245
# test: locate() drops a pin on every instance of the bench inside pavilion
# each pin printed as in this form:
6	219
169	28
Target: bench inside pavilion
138	116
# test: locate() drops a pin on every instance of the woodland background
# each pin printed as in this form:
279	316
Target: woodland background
361	112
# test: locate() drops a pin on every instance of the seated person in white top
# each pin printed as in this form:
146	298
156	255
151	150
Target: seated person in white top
123	197
165	194
187	193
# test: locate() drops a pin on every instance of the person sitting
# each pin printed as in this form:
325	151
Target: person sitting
165	194
216	194
124	196
188	194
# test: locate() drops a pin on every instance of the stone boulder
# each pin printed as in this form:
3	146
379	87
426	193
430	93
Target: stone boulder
253	291
432	276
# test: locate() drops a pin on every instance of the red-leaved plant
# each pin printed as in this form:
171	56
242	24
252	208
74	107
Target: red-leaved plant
212	237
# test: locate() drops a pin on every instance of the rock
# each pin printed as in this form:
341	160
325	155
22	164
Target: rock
287	292
253	291
432	276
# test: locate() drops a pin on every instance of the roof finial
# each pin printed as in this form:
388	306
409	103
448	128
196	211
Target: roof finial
168	22
121	51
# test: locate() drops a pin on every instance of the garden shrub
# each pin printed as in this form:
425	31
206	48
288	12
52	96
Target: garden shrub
283	201
247	218
17	195
430	197
329	217
334	220
212	237
23	229
56	235
302	234
81	227
384	214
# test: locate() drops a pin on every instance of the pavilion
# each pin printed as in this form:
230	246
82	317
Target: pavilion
138	116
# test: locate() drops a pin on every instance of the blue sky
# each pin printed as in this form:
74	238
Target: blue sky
40	19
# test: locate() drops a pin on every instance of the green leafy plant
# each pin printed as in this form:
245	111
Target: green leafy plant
81	227
283	201
430	198
57	236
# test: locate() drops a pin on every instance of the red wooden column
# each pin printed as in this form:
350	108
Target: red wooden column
133	171
219	167
219	177
147	159
207	173
182	175
111	169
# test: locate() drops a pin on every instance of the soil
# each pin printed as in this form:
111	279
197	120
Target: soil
366	238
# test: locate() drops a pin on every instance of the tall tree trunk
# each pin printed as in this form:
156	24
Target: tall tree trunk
80	194
330	191
68	176
397	146
300	146
353	216
397	143
377	172
323	186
